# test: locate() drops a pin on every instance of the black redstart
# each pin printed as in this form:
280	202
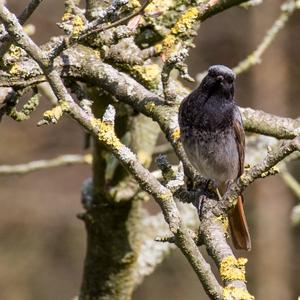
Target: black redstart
213	138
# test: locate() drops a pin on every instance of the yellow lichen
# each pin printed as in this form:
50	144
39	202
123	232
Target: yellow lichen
171	43
78	26
233	269
66	17
15	70
224	221
76	21
64	105
14	52
165	196
158	47
166	45
54	114
176	134
106	133
157	6
231	292
96	122
150	106
107	136
133	4
186	21
148	74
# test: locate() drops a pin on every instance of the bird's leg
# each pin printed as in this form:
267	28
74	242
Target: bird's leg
218	194
202	197
189	184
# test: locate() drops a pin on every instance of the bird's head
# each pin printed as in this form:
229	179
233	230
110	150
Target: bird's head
220	81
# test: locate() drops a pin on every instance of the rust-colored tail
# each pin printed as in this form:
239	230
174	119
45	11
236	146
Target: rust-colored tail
239	228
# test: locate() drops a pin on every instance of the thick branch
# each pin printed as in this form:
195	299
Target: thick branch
268	124
129	91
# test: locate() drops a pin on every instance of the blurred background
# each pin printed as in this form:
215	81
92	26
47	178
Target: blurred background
42	243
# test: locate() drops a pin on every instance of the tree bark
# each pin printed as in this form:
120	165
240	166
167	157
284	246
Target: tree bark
114	226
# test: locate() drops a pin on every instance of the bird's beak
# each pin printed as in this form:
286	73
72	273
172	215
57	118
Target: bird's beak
220	78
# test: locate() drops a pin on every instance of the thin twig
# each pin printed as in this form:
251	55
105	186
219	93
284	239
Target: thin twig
272	159
89	29
254	58
24	16
290	181
169	65
116	23
62	160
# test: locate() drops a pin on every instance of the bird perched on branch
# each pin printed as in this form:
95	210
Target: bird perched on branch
213	138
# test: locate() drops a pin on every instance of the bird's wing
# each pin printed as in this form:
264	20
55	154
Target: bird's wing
240	139
237	219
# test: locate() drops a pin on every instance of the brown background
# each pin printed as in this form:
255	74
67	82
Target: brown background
42	243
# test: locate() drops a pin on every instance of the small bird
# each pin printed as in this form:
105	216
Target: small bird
213	138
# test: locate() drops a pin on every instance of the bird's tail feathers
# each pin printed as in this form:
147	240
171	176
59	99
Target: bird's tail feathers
239	227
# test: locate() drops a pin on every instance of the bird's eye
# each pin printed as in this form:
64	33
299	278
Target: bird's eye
229	80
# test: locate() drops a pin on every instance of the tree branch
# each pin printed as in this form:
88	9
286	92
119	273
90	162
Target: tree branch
104	131
24	16
254	58
62	160
258	171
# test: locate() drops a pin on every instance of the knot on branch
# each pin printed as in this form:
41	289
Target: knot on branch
173	179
